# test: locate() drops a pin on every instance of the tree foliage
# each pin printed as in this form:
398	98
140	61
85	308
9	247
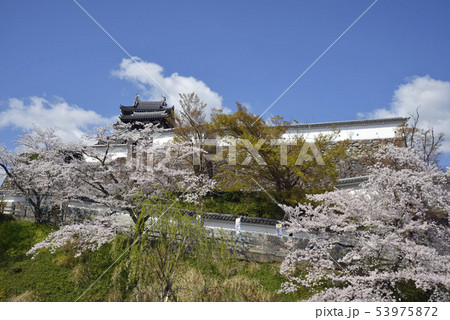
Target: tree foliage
192	127
291	166
397	225
36	168
167	239
150	170
88	235
46	169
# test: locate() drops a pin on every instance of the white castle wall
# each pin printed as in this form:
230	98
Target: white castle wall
352	132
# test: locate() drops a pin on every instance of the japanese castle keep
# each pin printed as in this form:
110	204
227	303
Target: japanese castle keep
155	112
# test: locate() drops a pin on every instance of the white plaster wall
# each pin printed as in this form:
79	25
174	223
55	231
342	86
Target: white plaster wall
381	131
164	137
115	152
349	131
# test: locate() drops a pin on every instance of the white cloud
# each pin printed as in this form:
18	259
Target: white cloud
142	72
72	121
433	98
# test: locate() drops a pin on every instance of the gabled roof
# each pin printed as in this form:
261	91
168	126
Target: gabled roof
352	180
146	115
156	112
229	217
339	124
145	106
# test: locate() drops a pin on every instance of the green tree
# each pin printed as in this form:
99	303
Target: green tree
170	238
259	152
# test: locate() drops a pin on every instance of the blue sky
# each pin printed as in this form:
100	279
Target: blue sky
58	68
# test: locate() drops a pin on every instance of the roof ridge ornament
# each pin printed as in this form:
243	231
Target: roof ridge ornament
136	100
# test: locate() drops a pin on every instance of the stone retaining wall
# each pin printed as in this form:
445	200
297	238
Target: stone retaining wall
248	245
263	247
360	157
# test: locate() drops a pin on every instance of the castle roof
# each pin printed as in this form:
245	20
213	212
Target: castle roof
350	123
145	106
155	112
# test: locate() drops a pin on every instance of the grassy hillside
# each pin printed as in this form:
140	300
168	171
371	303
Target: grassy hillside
61	277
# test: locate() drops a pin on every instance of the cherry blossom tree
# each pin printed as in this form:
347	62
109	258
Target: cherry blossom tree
149	171
398	228
88	235
43	168
35	168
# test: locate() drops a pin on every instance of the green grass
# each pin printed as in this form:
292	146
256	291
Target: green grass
268	275
61	277
17	237
48	276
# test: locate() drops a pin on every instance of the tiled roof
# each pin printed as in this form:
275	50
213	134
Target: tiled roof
145	115
398	121
352	180
146	106
232	218
146	111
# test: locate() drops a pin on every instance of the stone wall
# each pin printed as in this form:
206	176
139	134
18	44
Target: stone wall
254	246
248	245
263	247
360	157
